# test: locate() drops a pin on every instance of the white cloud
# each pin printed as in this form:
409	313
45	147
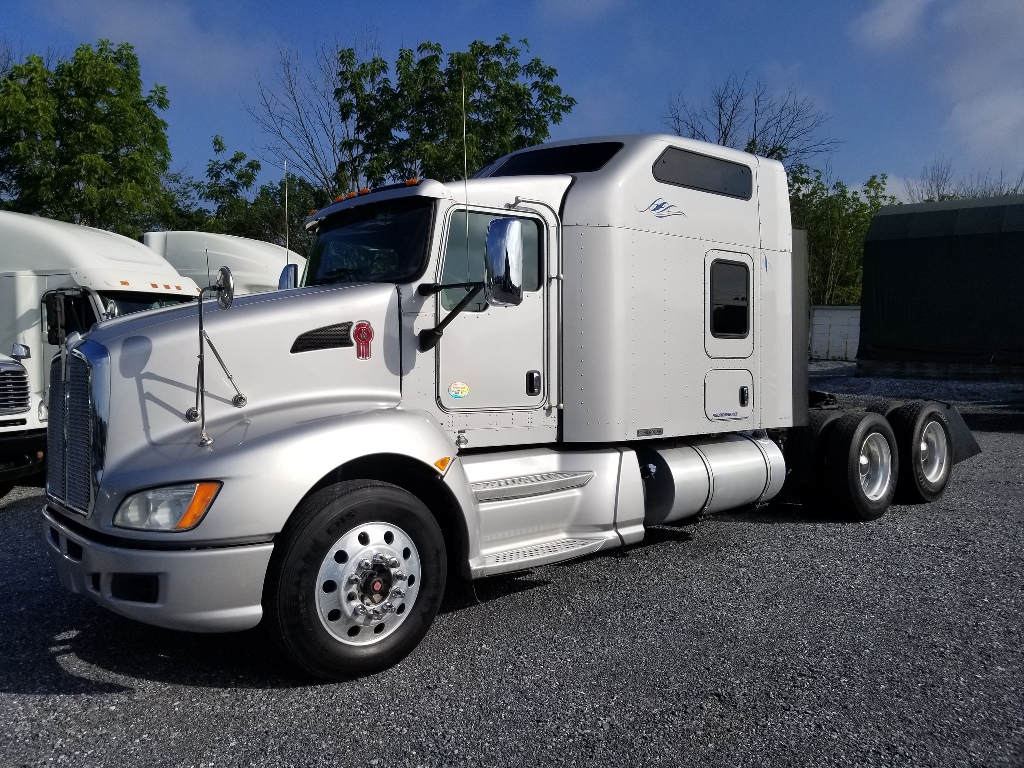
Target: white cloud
169	38
972	56
891	21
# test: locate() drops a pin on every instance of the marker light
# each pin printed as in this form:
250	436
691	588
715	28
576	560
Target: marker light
338	199
364	191
442	464
171	508
411	182
125	282
350	195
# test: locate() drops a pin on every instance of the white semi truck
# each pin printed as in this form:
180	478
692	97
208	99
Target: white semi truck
586	339
84	274
254	264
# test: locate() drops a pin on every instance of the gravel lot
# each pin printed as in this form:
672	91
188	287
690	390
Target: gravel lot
769	637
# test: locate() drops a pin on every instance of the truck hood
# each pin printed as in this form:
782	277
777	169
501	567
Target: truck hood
291	353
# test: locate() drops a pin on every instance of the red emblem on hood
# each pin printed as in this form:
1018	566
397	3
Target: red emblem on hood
362	333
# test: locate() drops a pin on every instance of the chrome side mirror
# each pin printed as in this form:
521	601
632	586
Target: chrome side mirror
289	277
21	352
225	288
503	263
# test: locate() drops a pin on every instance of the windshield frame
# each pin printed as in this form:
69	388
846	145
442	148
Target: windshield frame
344	216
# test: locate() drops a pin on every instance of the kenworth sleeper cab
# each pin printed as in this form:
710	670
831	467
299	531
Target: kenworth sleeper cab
585	339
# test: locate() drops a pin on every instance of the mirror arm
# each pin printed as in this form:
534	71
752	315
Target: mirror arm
430	336
429	289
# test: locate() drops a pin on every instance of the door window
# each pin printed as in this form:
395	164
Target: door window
464	257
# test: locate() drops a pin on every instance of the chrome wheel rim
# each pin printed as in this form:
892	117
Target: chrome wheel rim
934	451
368	583
875	464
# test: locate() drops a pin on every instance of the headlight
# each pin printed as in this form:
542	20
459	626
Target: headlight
171	508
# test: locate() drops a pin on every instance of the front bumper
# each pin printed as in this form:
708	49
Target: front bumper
216	589
20	454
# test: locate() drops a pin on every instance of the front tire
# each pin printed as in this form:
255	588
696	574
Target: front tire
357	579
861	465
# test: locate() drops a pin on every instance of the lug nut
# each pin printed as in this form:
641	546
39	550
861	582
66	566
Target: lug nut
399	576
379	559
393	562
397	592
365	564
360	610
353	578
388	608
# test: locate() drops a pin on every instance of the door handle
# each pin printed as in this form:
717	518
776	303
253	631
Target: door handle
744	396
533	382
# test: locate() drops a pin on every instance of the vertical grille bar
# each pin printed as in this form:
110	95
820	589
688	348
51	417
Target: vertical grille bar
55	433
78	450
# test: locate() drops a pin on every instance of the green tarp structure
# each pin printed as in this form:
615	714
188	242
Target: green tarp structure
944	283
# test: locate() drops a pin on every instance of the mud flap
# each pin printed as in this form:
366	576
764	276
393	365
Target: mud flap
964	444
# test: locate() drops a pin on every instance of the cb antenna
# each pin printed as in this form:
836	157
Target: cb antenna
287	251
465	161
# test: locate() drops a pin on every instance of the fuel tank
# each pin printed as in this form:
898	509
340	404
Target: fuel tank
710	474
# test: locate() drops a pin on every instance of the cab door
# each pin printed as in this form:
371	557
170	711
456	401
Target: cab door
490	358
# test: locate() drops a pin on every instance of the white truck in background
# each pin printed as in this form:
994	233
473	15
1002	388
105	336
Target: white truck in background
586	339
254	264
84	274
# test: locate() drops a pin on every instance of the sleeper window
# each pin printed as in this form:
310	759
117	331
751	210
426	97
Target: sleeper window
730	299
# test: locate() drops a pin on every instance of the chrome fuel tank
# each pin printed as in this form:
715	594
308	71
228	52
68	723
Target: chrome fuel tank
710	474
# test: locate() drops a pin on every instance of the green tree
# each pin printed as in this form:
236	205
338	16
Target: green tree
414	126
836	219
228	202
82	142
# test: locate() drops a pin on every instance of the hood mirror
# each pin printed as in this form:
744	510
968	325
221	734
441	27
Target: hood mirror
225	288
503	263
289	277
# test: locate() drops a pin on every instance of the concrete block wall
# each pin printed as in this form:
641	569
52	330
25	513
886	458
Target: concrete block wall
835	332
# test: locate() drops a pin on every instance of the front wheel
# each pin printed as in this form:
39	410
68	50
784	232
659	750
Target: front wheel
357	579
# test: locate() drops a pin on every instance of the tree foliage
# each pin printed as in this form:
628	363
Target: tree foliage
82	142
836	219
783	127
413	126
227	201
298	113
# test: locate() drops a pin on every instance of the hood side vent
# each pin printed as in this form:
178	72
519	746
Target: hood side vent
328	337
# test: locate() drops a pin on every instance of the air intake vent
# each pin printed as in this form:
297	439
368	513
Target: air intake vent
328	337
14	396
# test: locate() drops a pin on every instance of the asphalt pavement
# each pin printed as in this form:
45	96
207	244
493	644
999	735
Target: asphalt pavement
770	637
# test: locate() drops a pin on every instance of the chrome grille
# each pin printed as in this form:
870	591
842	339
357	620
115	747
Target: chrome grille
55	433
14	397
69	435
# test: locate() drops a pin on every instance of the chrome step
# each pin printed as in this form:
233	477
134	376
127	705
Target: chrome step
528	485
534	555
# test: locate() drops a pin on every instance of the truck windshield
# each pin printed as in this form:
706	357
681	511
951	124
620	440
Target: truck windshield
383	242
117	303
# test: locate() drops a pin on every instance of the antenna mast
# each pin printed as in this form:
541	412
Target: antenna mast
287	250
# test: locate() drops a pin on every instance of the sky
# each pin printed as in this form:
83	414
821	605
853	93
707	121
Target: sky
904	82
